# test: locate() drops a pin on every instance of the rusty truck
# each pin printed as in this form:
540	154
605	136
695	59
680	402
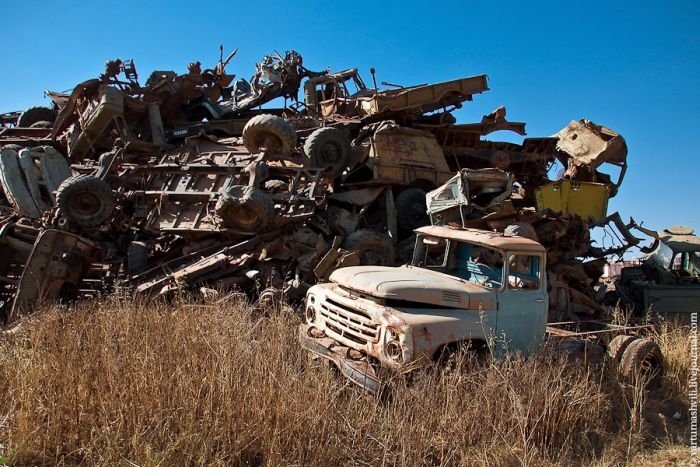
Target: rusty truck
464	289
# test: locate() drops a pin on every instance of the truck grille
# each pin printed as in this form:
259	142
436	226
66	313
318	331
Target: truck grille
349	323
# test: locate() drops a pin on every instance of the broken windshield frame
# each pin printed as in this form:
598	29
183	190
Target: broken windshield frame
473	263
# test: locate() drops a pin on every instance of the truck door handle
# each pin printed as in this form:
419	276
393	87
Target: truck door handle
539	300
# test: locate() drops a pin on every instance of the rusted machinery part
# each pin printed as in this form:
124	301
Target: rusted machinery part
136	257
36	114
245	209
269	133
411	210
328	148
617	347
85	200
641	359
374	248
521	229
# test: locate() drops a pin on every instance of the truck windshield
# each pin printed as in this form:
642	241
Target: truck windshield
662	256
477	264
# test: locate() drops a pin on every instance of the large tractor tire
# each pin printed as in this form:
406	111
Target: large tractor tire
411	210
269	133
374	248
41	124
641	359
85	200
328	148
245	209
36	114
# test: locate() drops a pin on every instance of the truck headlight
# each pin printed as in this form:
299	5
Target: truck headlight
310	311
394	351
310	314
393	347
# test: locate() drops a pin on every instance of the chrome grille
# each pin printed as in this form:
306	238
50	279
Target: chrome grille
348	322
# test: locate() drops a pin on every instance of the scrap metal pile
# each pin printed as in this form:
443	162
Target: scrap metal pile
186	183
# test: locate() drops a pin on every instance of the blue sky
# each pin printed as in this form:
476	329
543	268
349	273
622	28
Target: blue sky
632	66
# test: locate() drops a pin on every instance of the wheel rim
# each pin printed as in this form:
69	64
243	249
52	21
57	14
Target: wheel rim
245	216
269	142
86	205
331	154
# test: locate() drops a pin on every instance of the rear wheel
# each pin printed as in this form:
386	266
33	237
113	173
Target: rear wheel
641	360
617	346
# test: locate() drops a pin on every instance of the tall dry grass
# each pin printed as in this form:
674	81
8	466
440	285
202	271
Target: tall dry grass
188	383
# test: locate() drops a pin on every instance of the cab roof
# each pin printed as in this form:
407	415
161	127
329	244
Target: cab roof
483	238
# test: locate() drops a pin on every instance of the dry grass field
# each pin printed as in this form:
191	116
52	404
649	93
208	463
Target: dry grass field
123	383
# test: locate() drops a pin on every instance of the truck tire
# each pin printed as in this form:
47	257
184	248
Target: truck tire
85	200
328	148
617	347
36	114
411	210
641	358
136	258
374	248
270	133
245	209
41	124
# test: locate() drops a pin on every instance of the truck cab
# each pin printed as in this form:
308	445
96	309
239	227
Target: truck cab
463	287
667	282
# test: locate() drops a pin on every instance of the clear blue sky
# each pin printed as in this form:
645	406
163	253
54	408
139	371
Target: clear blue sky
632	66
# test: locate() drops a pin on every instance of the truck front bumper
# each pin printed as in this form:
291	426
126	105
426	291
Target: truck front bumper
359	371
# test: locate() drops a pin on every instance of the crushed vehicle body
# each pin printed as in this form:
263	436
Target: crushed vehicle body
667	282
185	183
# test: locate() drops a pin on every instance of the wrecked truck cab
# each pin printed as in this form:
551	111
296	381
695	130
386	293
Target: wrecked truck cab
667	282
463	287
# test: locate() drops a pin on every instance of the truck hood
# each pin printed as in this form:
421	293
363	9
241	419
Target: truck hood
414	284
